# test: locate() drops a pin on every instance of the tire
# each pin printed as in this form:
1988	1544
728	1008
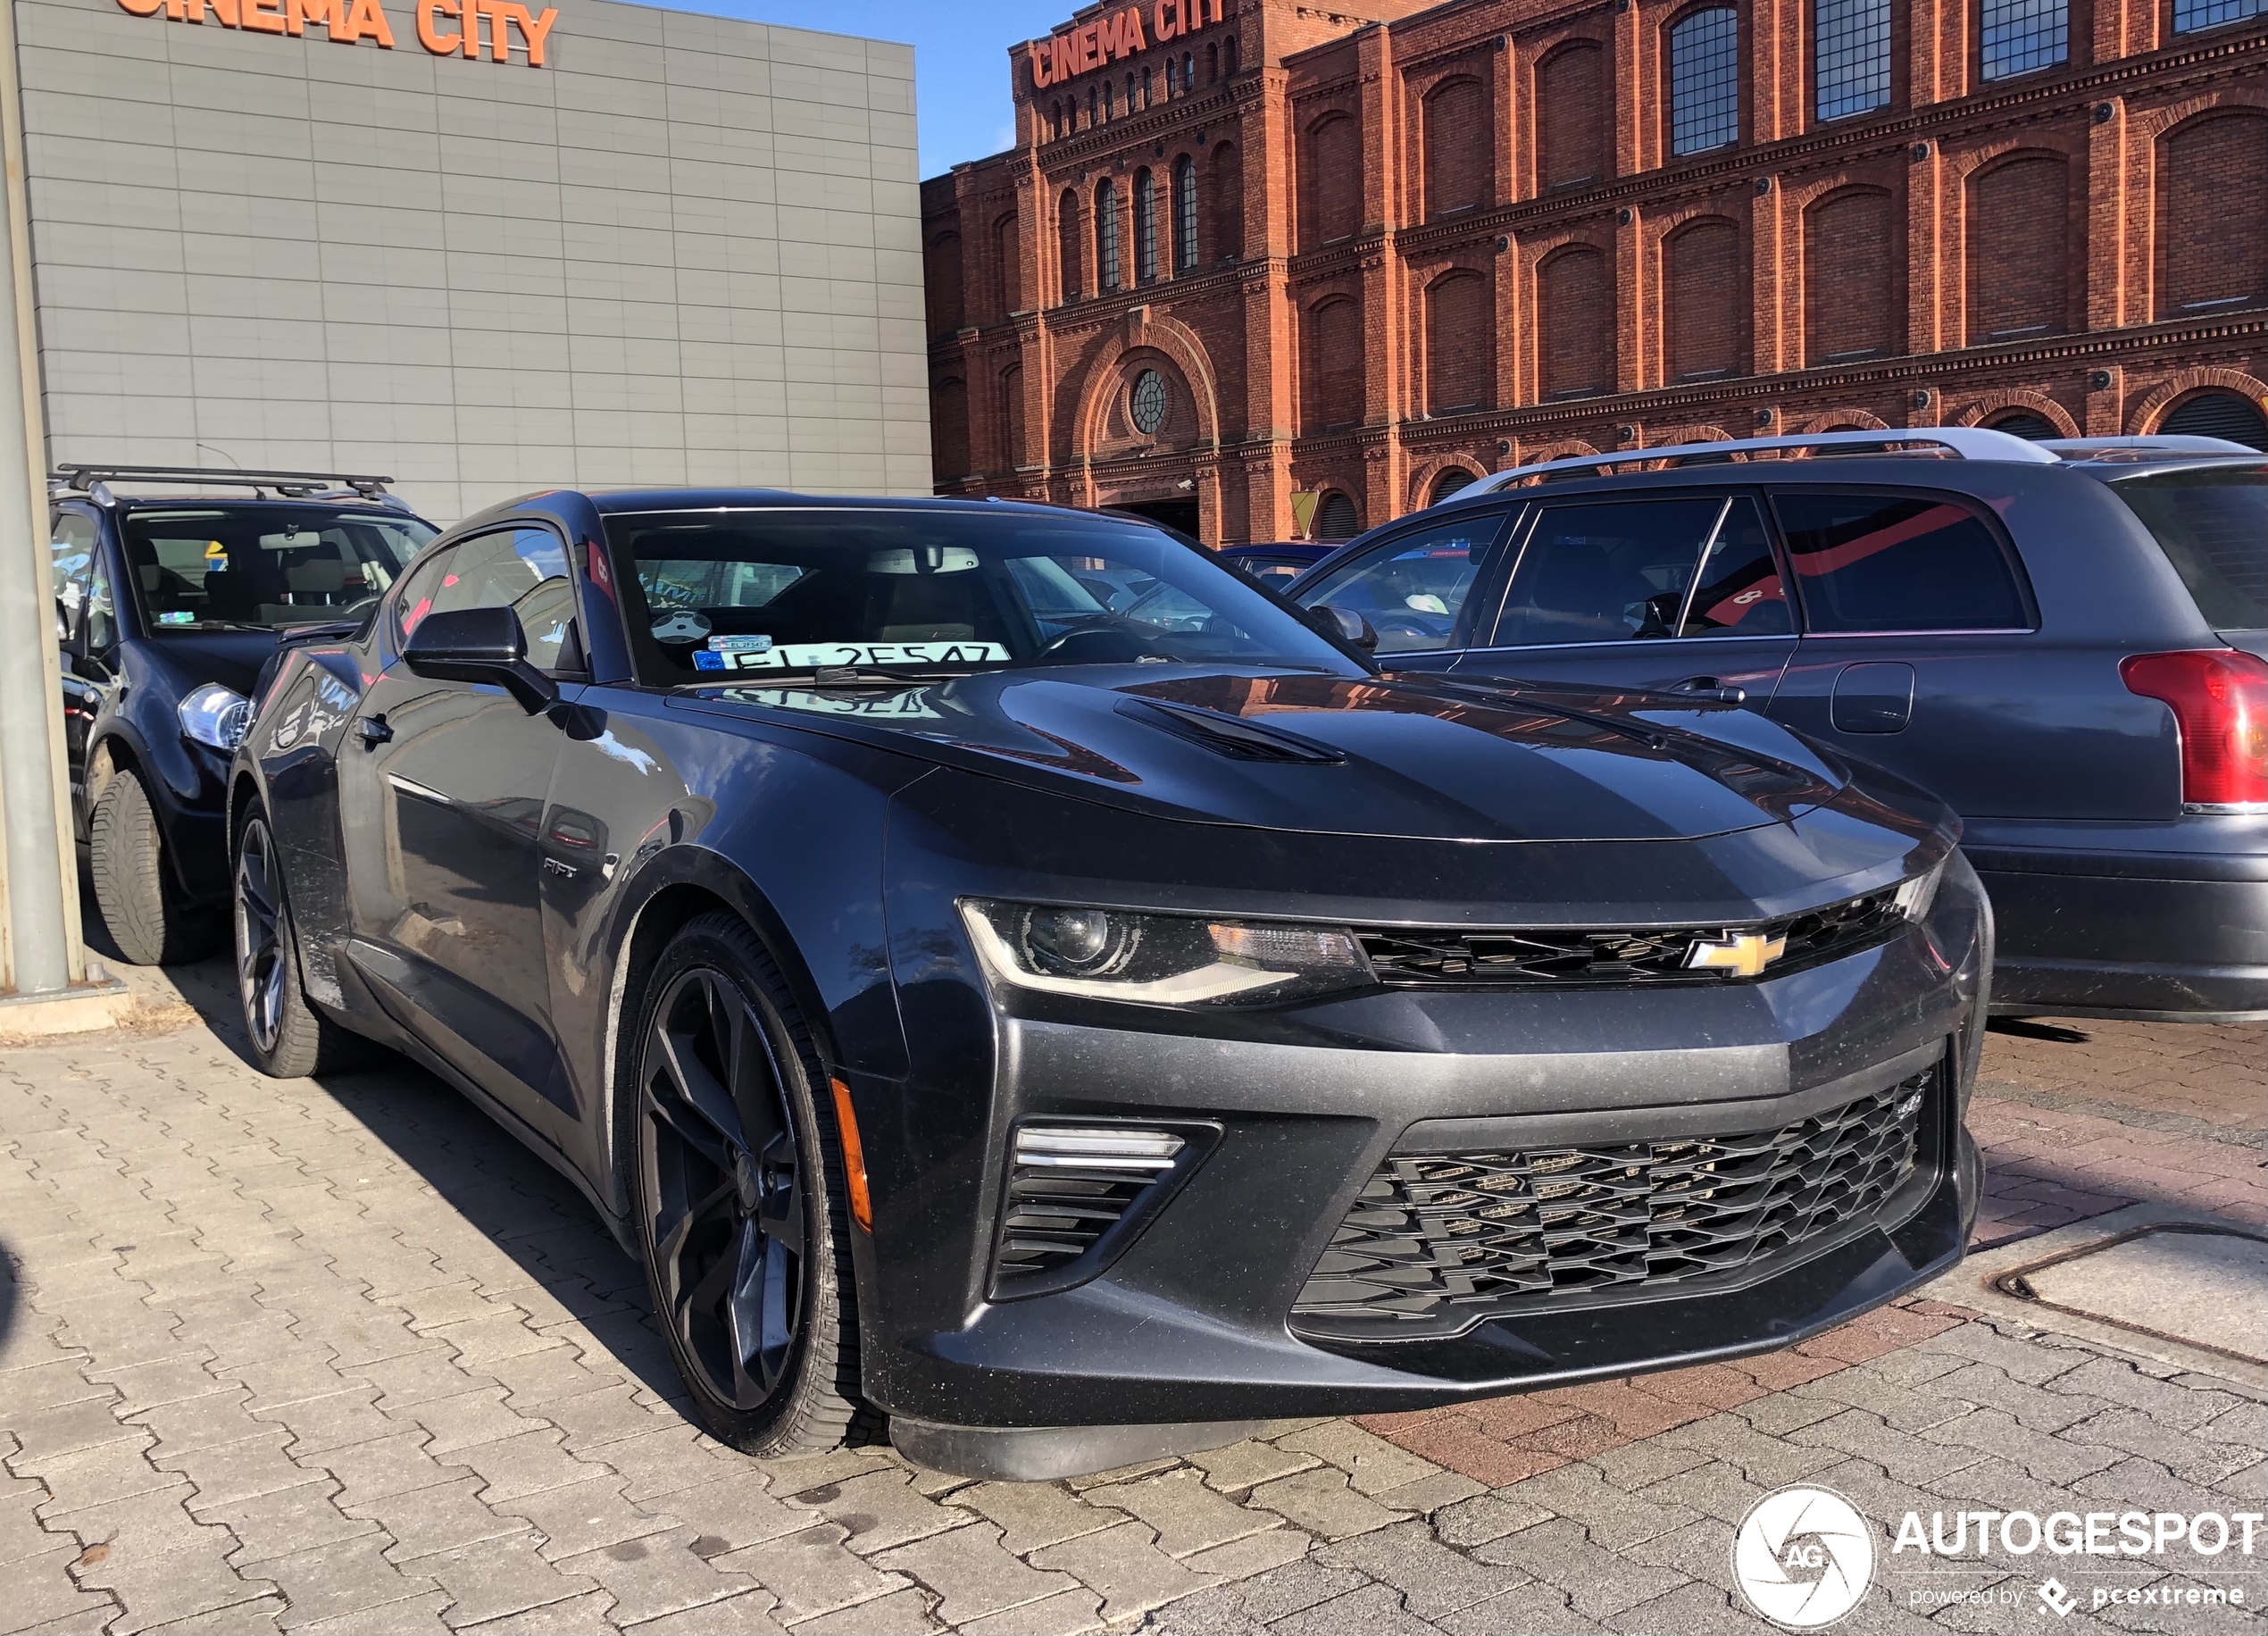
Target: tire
288	1038
149	919
743	1223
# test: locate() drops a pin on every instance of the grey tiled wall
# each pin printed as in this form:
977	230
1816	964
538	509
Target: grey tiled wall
687	250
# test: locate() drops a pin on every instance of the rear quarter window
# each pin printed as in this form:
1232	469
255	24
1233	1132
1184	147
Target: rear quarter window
2213	526
1899	562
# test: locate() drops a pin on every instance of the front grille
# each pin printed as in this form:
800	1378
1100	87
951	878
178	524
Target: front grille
1438	1242
1570	958
1068	1186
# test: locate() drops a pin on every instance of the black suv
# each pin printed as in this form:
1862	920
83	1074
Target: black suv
168	603
2063	640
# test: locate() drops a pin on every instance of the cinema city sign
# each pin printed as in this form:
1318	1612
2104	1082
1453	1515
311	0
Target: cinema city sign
1077	51
348	23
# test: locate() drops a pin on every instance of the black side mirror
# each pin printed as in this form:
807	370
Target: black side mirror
478	644
1345	624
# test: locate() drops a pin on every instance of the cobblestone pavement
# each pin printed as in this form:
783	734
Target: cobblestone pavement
340	1356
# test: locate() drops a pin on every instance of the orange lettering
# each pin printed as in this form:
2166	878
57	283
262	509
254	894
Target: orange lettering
1216	11
365	20
299	13
224	11
184	10
1041	57
536	29
429	36
1112	34
1066	50
1165	21
1090	46
1131	38
140	10
256	15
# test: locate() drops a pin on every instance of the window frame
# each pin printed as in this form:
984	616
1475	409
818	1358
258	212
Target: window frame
1671	101
1978	509
1524	534
1488	581
397	641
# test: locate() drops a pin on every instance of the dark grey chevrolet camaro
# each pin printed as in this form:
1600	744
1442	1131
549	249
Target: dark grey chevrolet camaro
1002	970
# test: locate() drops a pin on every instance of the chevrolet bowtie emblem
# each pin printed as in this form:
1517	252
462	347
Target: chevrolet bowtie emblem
1744	954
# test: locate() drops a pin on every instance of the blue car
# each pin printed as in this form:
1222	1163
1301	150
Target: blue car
2063	640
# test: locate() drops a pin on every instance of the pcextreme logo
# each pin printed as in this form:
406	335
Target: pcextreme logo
1803	1557
349	22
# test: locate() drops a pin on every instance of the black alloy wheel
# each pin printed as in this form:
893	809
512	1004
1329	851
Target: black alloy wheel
740	1199
289	1037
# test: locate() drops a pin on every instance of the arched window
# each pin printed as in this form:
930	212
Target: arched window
1185	215
1145	86
2027	424
1211	63
1012	413
1705	80
1107	233
942	276
1574	111
1189	72
1460	148
1007	266
1576	293
1144	228
2019	36
1449	483
1460	363
1108	111
1851	56
1228	203
2213	214
1705	298
1068	243
1336	518
1332	369
1229	55
1129	93
2219	415
1849	295
2018	231
1090	107
1331	181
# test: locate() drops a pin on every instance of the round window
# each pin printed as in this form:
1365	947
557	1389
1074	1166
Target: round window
1147	401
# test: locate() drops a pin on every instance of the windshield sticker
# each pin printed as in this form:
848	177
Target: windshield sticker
680	626
740	644
176	616
853	656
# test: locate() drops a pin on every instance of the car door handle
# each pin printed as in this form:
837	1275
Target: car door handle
1709	688
374	732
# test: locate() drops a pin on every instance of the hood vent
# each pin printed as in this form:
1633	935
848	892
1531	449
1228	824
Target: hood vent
1077	1194
1228	735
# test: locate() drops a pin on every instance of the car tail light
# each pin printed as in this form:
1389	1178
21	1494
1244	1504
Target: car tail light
2220	702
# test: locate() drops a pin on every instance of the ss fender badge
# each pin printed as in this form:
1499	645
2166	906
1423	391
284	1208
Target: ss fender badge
1744	955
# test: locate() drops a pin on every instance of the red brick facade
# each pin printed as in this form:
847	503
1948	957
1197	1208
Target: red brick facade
1381	242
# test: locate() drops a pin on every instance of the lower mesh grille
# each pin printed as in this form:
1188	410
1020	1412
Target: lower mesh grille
1068	1186
1436	1241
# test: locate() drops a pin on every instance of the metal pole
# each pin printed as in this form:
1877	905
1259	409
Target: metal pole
42	950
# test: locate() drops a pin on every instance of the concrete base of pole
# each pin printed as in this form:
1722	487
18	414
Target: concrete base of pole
81	1008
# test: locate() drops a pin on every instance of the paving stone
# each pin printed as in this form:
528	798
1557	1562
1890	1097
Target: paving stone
1253	1554
467	1419
1241	1465
491	1578
1032	1516
70	1427
1909	1459
901	1611
345	1579
389	1465
736	1510
1187	1515
1598	1583
1322	1502
1428	1495
1124	1564
527	1463
1689	1610
654	1575
1433	1579
1371	1463
332	1419
1540	1608
1376	1610
972	1574
281	1522
2189	1454
749	1613
101	1475
1487	1516
591	1611
42	1593
1769	1462
2043	1456
663	1462
810	1571
880	1509
1613	1517
1064	1613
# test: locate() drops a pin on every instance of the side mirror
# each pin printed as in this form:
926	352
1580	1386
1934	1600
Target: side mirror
478	644
66	626
1345	624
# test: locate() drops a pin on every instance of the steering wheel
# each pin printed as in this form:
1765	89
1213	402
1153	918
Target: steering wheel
1095	641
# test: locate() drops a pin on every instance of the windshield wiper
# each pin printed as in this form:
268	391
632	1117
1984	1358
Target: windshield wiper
838	676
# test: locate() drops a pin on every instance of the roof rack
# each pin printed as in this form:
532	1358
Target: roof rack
85	477
1957	442
2164	442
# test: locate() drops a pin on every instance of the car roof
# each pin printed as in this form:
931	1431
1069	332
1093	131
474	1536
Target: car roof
610	502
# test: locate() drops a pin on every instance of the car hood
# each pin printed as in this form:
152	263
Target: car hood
232	658
1365	755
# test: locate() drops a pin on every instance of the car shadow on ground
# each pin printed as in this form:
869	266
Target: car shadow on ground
529	1210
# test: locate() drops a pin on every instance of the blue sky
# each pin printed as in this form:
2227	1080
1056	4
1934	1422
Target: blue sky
960	58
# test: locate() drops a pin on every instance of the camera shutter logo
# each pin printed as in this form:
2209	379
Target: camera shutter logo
1803	1557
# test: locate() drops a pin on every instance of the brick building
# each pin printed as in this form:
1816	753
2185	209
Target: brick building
1266	268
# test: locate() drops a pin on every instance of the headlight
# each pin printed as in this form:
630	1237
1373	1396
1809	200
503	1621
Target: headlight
216	715
1160	959
1915	897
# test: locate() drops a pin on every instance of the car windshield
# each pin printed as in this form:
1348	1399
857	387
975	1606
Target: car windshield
2213	525
228	567
721	594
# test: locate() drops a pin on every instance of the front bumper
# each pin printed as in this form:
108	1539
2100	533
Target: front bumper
1191	1323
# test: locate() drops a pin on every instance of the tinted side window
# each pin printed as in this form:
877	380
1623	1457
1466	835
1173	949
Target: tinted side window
522	569
2213	526
416	598
1606	572
70	554
1878	561
1740	593
1412	589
